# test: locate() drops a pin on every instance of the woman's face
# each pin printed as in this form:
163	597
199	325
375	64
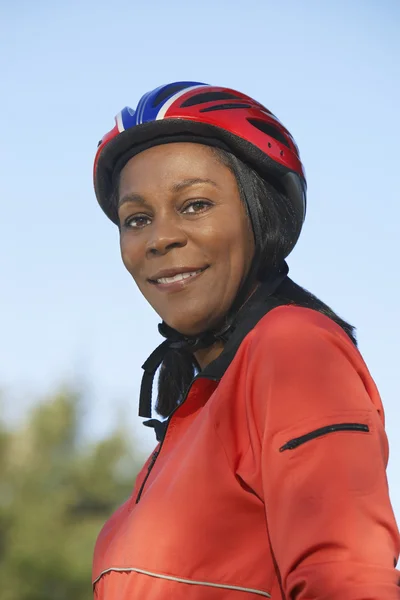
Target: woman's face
185	236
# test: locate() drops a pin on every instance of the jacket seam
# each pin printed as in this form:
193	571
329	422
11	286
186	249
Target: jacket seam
183	580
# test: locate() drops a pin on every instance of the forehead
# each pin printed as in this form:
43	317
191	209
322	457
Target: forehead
165	164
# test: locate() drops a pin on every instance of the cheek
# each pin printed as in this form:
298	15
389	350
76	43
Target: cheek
240	241
130	254
249	244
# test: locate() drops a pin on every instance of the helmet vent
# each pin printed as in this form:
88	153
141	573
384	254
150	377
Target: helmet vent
166	92
270	130
208	97
225	106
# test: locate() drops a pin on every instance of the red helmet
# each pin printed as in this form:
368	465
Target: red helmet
216	116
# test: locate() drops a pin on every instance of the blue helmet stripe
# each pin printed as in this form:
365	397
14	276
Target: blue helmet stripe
146	111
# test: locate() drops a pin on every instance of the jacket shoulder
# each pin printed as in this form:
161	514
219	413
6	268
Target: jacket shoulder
291	322
310	362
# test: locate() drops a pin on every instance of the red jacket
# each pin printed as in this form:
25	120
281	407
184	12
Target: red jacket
271	473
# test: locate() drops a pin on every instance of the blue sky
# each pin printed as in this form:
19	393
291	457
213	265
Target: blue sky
328	70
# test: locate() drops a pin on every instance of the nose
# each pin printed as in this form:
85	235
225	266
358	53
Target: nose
166	235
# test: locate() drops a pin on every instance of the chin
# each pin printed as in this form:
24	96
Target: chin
189	328
192	320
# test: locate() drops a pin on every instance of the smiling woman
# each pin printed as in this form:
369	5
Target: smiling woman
268	478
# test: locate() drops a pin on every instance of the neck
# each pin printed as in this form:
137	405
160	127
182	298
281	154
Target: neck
206	355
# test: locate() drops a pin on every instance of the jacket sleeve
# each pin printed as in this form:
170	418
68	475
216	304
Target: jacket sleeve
323	462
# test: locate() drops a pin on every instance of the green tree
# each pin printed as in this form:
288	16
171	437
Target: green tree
56	491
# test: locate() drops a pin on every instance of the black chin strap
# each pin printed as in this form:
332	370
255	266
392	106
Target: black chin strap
177	341
174	341
150	367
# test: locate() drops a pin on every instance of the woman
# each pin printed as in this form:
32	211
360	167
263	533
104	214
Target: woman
269	475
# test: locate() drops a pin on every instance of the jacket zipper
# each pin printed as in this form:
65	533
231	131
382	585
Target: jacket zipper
156	453
149	468
295	442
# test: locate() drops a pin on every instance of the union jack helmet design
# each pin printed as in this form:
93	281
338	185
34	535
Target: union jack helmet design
212	115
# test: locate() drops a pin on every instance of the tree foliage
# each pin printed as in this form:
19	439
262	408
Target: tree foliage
56	491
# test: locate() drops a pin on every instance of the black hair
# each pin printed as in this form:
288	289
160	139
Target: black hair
273	216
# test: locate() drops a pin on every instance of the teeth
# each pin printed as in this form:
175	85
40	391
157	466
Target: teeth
178	277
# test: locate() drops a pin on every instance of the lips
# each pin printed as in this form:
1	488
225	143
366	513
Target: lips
176	280
179	277
168	276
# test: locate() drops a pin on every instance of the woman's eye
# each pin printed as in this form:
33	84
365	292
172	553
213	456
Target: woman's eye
137	222
197	206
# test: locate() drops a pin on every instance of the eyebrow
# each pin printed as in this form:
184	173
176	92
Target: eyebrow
131	198
177	187
181	185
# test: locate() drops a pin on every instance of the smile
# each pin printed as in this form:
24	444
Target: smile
176	281
178	277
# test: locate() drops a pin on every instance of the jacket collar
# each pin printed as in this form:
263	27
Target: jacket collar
259	305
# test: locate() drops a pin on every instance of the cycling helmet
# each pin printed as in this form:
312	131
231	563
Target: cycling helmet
212	115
